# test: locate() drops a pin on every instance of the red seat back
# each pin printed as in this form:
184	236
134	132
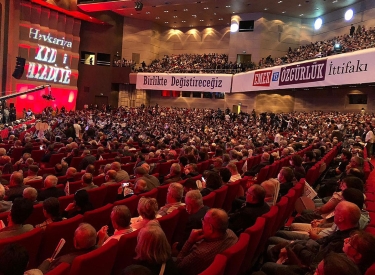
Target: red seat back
29	240
221	193
64	201
55	158
162	194
99	180
74	186
37	155
232	192
126	252
169	223
282	206
236	254
217	267
98	217
37	215
75	162
255	232
153	193
111	193
209	200
131	202
100	261
97	196
61	269
37	184
54	232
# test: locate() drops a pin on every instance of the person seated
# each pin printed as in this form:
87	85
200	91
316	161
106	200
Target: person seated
225	175
174	174
286	179
264	161
87	182
4	205
32	174
234	172
147	210
122	175
8	166
120	219
30	193
87	159
309	160
110	177
84	242
196	211
174	197
296	164
70	174
204	244
213	182
272	187
50	189
309	252
142	173
51	211
335	263
20	212
15	187
90	169
14	259
48	153
126	191
153	251
190	171
80	205
254	207
360	248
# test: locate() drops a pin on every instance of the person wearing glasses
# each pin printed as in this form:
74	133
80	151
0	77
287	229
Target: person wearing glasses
360	248
203	244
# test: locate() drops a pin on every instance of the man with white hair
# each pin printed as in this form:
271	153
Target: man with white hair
174	174
50	190
4	205
31	194
174	197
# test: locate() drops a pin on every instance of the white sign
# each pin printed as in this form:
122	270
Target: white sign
185	82
349	68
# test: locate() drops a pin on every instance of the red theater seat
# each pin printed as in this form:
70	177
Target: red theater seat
126	252
99	217
217	267
100	261
61	269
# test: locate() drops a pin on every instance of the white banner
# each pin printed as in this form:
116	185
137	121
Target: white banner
185	82
349	68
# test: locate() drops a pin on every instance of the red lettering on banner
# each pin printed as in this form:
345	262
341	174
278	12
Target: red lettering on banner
262	78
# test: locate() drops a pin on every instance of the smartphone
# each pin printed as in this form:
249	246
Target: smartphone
203	179
125	184
41	147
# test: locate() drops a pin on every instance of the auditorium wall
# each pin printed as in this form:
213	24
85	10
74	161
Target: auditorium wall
152	41
272	35
95	82
326	99
335	25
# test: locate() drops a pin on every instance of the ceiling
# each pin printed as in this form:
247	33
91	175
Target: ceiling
205	13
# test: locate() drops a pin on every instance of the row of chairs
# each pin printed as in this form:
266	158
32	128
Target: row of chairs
240	258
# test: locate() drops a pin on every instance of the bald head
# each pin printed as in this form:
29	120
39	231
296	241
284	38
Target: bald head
218	218
50	181
347	215
116	166
84	236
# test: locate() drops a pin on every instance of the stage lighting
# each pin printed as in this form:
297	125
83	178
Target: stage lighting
318	23
138	6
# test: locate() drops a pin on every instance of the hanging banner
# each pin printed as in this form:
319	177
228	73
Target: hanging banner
185	82
349	68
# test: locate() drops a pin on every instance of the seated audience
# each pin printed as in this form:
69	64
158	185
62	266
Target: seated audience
84	241
120	219
51	211
174	197
4	205
80	205
50	189
204	244
20	212
31	194
147	210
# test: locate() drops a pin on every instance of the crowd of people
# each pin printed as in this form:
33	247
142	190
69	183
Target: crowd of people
361	39
190	136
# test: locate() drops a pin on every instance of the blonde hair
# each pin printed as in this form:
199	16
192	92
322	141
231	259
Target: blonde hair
147	208
152	245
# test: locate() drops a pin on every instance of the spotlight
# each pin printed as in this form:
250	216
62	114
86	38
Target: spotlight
138	5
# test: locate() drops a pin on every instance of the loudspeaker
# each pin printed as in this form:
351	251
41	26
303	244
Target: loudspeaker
20	67
11	105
